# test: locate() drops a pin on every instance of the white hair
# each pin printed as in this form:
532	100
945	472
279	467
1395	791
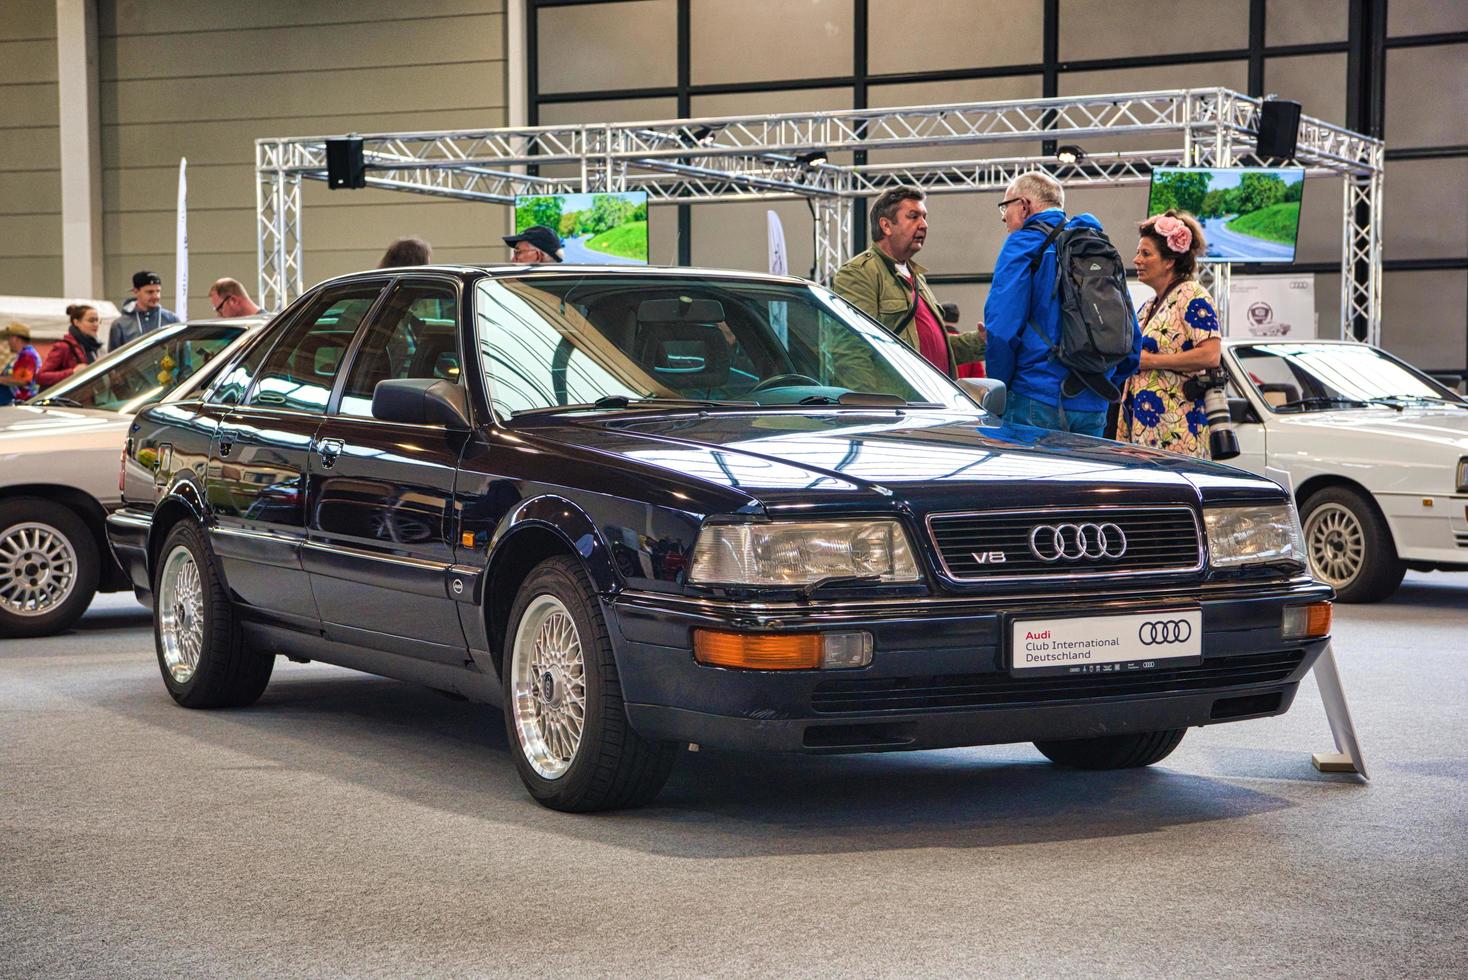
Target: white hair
1040	187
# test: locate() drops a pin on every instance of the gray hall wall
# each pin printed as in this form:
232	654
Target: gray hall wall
30	164
203	80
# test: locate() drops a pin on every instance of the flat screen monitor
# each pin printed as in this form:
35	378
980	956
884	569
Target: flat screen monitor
1249	214
597	229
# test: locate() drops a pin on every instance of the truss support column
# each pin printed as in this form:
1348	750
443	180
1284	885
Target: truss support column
278	216
1361	255
832	235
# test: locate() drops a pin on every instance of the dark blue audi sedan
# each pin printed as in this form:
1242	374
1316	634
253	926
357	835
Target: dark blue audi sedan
643	509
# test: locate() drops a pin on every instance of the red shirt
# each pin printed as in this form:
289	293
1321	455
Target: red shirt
932	341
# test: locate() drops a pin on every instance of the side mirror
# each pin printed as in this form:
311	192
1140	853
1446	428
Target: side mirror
990	393
420	401
1239	411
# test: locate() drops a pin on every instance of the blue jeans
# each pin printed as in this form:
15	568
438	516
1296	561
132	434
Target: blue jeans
1024	410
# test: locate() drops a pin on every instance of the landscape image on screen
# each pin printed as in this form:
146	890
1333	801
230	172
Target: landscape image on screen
596	228
1249	214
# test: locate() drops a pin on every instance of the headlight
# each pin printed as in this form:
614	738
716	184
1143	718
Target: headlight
1254	534
787	553
1463	475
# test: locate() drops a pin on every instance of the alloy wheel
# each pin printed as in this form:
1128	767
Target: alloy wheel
548	686
1336	543
181	614
38	569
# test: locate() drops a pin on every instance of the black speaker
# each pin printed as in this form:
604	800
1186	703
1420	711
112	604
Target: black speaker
344	165
1279	129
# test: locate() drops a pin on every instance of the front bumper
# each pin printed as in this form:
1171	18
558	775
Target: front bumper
939	674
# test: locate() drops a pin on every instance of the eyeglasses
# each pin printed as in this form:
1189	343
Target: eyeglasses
525	251
222	304
1004	205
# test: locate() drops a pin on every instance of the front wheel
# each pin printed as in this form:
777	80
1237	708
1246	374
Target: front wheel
49	566
1350	546
201	652
564	716
1113	751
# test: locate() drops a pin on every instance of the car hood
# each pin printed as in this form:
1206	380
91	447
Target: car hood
1413	429
918	459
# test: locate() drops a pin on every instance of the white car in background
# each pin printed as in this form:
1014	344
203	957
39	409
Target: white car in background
1377	452
59	459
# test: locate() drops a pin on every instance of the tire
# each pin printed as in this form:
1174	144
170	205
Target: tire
558	663
203	657
1350	546
1113	751
49	565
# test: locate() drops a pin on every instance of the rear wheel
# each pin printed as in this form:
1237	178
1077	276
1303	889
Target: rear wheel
564	716
204	658
1350	546
1113	751
48	567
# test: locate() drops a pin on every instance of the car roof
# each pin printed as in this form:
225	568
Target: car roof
513	271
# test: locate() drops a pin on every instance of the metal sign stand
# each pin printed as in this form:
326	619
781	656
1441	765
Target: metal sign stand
1347	754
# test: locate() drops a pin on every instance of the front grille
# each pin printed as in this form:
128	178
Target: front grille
1158	539
1002	690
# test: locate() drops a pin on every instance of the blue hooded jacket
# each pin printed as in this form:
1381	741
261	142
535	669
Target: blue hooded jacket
1016	355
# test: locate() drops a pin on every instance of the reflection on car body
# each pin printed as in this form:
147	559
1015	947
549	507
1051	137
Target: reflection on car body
643	511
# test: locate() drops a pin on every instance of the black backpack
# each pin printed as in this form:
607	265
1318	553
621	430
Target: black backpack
1096	315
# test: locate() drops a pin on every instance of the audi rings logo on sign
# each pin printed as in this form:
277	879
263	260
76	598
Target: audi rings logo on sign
1077	542
1157	632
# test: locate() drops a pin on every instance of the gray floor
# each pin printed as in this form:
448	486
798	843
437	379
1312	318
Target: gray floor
354	826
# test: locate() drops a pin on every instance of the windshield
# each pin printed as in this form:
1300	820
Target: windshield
567	340
144	371
1321	377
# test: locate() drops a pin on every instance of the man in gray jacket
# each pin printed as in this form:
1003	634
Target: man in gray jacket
147	313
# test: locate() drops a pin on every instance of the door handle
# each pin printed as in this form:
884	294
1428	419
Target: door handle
329	449
226	442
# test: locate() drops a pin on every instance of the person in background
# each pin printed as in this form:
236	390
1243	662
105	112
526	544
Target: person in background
18	380
1019	352
951	317
76	349
229	298
536	244
887	285
406	251
147	313
1179	337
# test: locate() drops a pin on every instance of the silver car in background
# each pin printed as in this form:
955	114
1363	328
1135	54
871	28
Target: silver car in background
59	459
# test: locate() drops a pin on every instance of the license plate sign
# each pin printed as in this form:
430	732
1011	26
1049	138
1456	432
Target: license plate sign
1105	644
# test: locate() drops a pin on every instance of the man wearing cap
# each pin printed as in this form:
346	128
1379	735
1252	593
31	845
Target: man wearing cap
536	244
147	313
18	382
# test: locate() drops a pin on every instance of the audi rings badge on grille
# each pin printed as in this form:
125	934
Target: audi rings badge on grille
1160	631
1077	542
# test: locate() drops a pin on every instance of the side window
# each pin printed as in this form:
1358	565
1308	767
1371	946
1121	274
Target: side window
299	371
231	388
415	336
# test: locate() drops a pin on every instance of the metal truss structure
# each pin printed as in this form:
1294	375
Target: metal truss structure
822	157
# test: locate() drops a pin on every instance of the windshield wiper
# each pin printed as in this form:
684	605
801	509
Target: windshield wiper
1429	399
830	580
1328	401
866	399
624	401
61	400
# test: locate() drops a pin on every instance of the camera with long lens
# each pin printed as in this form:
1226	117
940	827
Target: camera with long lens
1209	385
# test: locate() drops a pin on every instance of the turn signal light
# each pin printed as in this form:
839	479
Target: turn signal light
782	651
1307	622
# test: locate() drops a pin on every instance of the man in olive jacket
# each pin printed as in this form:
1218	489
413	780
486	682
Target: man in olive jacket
880	282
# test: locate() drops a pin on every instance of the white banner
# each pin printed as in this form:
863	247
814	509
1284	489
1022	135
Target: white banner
779	266
181	269
1271	306
779	262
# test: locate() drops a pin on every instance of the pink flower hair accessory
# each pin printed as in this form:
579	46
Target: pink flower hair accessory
1174	232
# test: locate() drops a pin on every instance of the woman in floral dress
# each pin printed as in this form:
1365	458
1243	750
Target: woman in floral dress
1179	338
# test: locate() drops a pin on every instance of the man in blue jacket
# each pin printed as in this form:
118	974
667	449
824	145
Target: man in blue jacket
1033	204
